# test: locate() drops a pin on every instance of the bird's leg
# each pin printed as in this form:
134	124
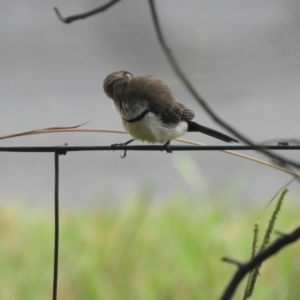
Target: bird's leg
121	144
166	147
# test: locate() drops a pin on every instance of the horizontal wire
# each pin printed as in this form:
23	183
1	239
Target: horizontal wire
65	148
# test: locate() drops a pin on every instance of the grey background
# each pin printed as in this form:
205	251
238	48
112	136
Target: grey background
243	57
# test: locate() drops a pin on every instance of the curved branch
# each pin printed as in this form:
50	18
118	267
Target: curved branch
243	269
197	96
85	15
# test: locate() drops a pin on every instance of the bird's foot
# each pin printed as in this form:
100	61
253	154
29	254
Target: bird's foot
166	147
121	144
63	151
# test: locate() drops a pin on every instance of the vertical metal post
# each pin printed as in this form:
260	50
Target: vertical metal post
56	223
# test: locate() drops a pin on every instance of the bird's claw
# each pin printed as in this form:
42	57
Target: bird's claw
112	146
166	147
121	144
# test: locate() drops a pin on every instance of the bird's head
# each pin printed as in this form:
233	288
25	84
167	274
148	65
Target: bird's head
115	80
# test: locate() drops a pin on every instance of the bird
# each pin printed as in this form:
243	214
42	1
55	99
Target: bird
149	110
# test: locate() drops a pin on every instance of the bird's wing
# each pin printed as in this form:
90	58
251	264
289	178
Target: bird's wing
177	112
158	98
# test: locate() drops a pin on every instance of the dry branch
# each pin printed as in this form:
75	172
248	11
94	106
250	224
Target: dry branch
197	96
257	260
85	15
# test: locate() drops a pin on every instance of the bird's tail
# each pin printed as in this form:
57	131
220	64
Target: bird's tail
193	126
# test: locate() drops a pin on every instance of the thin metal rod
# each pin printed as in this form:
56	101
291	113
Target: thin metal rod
56	223
144	148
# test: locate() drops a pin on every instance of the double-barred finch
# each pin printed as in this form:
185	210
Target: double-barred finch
149	111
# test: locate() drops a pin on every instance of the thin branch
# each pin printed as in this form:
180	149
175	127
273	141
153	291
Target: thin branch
251	158
232	261
280	243
59	130
197	96
85	15
44	130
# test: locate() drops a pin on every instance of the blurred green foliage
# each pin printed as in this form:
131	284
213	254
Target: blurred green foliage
140	250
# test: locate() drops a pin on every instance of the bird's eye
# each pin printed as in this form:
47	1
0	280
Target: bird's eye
128	75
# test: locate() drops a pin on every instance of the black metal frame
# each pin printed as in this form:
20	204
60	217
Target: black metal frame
62	150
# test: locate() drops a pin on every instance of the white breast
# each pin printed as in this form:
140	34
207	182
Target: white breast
151	129
130	112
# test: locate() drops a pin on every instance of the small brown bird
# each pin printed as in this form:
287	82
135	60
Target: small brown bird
149	111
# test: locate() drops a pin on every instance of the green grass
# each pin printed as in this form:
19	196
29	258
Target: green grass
140	251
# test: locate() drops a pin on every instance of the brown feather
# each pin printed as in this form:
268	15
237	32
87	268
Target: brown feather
137	97
158	97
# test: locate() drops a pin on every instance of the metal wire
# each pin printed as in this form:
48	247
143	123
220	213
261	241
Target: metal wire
144	148
56	223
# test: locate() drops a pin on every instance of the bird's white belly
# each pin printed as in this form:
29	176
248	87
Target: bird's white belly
151	129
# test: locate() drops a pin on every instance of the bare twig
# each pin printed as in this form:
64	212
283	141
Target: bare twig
61	130
232	261
280	243
197	96
85	15
45	130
